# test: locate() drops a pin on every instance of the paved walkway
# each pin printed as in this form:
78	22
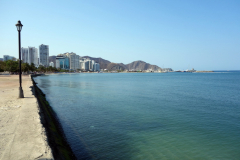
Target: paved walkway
22	136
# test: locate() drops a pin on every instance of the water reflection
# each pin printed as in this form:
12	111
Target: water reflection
147	116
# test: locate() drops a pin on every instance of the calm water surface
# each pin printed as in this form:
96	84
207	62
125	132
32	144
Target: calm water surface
148	115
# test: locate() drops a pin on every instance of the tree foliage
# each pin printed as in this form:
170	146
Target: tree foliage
2	66
25	67
13	66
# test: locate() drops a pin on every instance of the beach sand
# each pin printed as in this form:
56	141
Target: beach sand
22	135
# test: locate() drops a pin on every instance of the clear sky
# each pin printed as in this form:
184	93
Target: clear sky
179	34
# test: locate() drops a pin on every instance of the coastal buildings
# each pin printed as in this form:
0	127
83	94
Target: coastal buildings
51	64
167	70
84	64
68	61
62	62
33	56
97	67
89	65
30	55
24	55
7	57
43	55
73	60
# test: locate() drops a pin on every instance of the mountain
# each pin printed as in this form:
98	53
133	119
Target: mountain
141	65
116	66
102	62
136	65
52	59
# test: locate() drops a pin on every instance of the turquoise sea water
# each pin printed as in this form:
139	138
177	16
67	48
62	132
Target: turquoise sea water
132	116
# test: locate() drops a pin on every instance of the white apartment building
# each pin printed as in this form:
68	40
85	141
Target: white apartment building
43	55
33	55
84	64
51	64
24	55
73	60
81	64
89	65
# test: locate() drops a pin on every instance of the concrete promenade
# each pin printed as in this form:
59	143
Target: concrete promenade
22	136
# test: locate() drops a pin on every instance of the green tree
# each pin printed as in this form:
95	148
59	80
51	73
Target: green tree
42	68
12	66
25	67
2	66
32	67
51	69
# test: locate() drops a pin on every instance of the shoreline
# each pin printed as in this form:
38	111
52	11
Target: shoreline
54	132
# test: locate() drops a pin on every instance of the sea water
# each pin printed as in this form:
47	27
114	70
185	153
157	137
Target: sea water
134	116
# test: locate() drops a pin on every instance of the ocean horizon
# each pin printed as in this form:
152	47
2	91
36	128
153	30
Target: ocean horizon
148	115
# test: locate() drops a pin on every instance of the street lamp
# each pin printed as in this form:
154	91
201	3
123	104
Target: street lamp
19	28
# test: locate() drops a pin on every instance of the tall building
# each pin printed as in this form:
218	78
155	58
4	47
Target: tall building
97	67
89	65
33	55
24	55
43	55
62	61
83	65
73	60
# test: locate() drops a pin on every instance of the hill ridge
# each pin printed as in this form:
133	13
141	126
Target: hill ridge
135	65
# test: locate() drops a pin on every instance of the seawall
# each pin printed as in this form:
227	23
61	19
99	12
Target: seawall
55	135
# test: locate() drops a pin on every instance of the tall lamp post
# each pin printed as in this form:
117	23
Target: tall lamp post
19	28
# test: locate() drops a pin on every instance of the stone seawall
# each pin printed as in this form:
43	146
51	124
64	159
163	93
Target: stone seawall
55	135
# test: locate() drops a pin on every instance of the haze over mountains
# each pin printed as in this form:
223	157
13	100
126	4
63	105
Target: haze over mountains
136	65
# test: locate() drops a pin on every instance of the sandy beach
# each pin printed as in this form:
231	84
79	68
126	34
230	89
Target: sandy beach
22	135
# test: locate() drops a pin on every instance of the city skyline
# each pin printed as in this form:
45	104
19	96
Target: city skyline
171	34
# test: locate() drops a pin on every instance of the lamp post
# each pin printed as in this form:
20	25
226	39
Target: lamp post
19	28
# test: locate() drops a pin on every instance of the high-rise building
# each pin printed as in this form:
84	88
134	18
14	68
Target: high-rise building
73	60
89	65
84	64
62	61
43	55
33	55
24	55
97	67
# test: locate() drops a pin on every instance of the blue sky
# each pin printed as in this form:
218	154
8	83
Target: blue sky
200	34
